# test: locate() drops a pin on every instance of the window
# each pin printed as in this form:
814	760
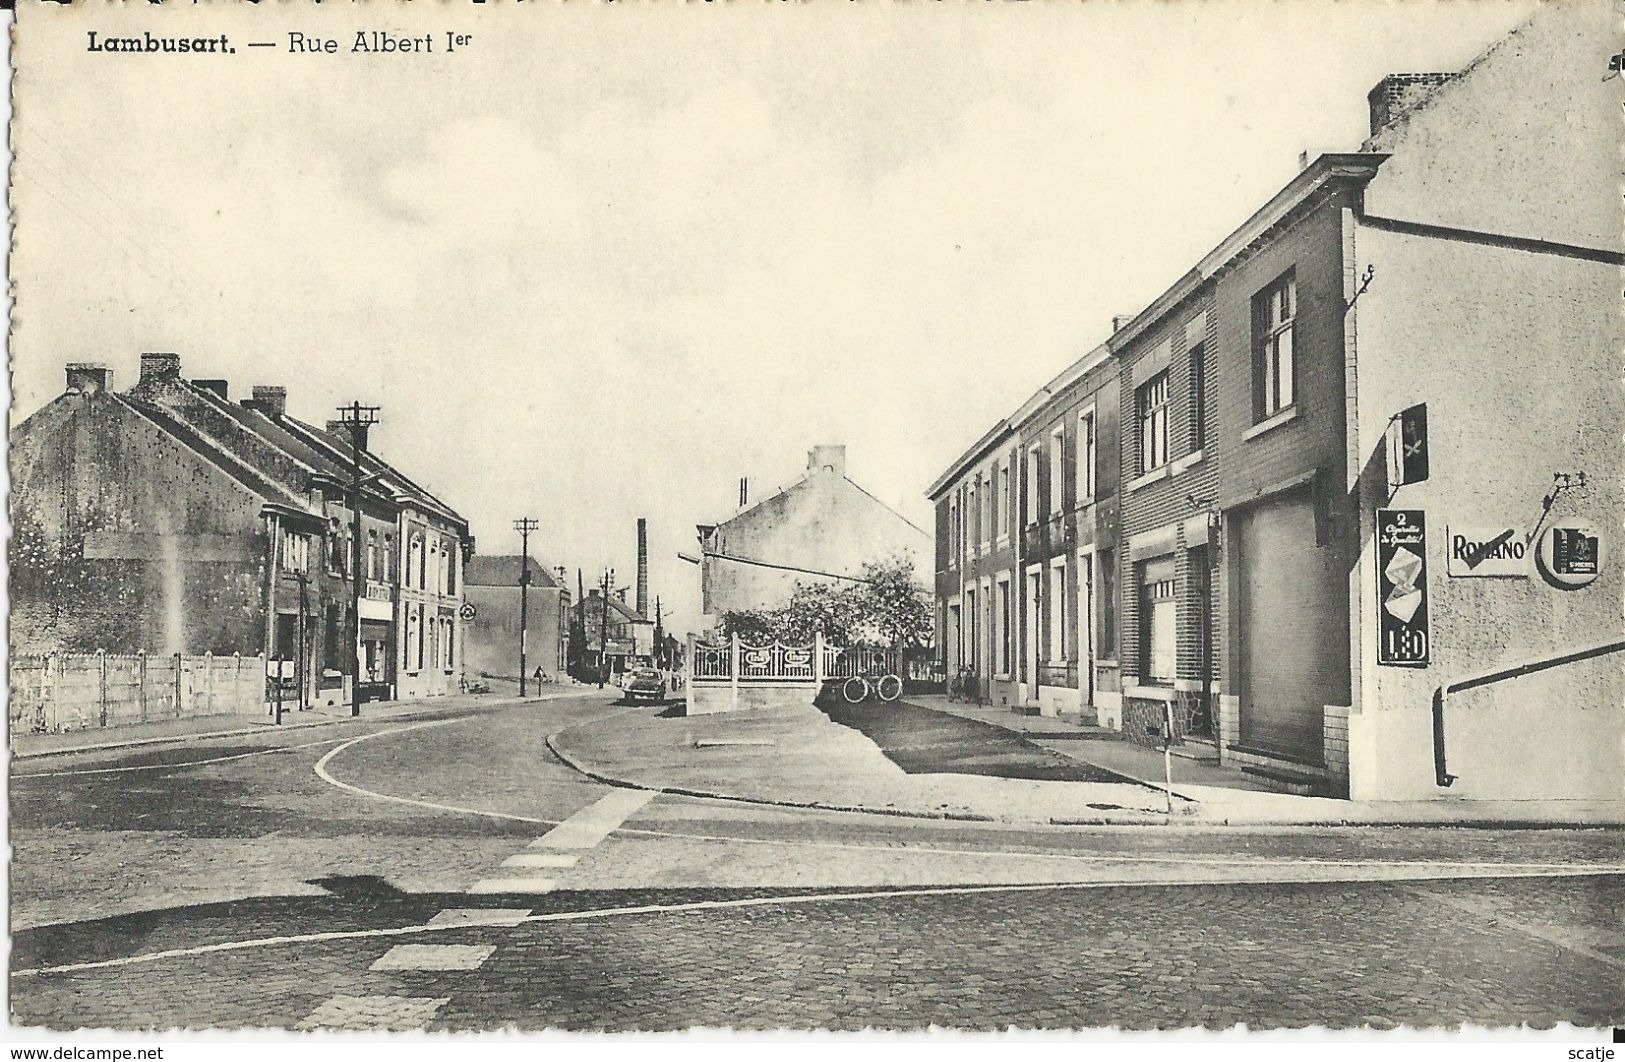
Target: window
1005	632
975	512
1032	485
1008	495
1157	623
1057	458
372	556
1274	309
452	555
414	547
995	497
1151	401
1086	457
1198	377
295	552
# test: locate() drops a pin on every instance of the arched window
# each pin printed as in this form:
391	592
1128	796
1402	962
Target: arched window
414	561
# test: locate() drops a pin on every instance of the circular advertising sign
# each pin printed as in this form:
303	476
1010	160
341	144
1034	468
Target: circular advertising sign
1570	556
467	611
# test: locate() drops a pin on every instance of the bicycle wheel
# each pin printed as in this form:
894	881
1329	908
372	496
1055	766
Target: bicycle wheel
889	688
855	689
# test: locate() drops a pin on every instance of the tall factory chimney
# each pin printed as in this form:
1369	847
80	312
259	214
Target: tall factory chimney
643	567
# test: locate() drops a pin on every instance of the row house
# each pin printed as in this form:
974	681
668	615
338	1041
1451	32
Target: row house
169	519
1300	447
1026	519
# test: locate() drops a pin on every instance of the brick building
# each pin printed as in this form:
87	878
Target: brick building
1024	519
169	519
1257	398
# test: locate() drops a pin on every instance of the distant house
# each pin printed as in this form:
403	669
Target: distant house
491	642
628	641
171	520
822	528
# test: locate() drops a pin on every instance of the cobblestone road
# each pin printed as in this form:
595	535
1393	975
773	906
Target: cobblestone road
255	890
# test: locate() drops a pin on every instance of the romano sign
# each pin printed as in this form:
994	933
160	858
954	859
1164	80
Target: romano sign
1486	552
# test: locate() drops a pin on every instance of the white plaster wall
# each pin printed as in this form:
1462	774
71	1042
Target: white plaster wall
1525	142
1518	357
825	523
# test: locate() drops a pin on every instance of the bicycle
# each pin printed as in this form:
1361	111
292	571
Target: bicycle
965	686
860	688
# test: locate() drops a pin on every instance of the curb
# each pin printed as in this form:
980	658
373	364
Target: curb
1163	821
258	728
854	809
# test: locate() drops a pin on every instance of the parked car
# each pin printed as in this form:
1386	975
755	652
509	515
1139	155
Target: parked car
645	684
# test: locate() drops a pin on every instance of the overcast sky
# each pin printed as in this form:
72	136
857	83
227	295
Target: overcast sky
607	259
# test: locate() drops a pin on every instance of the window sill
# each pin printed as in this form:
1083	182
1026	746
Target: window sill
1112	664
1161	472
1189	461
1285	416
1150	693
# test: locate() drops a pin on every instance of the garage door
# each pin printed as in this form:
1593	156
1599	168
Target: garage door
1293	640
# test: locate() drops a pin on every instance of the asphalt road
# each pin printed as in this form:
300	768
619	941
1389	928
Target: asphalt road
415	874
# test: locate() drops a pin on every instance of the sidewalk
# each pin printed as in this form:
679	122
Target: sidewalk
1099	747
169	731
798	757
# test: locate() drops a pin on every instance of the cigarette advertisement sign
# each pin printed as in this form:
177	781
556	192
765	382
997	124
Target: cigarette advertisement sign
1402	588
1570	557
1486	552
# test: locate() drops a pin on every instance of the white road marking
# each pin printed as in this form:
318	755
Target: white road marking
434	957
176	766
480	916
767	901
557	860
589	826
374	1013
505	885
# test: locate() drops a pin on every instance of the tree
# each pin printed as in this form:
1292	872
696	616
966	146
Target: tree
885	609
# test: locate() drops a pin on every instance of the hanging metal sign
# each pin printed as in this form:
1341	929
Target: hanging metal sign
1402	588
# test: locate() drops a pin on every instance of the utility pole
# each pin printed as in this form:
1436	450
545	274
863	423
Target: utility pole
524	525
603	628
358	418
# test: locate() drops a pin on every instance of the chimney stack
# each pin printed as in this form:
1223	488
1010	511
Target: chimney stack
214	387
643	567
744	491
160	367
1119	321
827	458
273	400
89	378
1398	93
